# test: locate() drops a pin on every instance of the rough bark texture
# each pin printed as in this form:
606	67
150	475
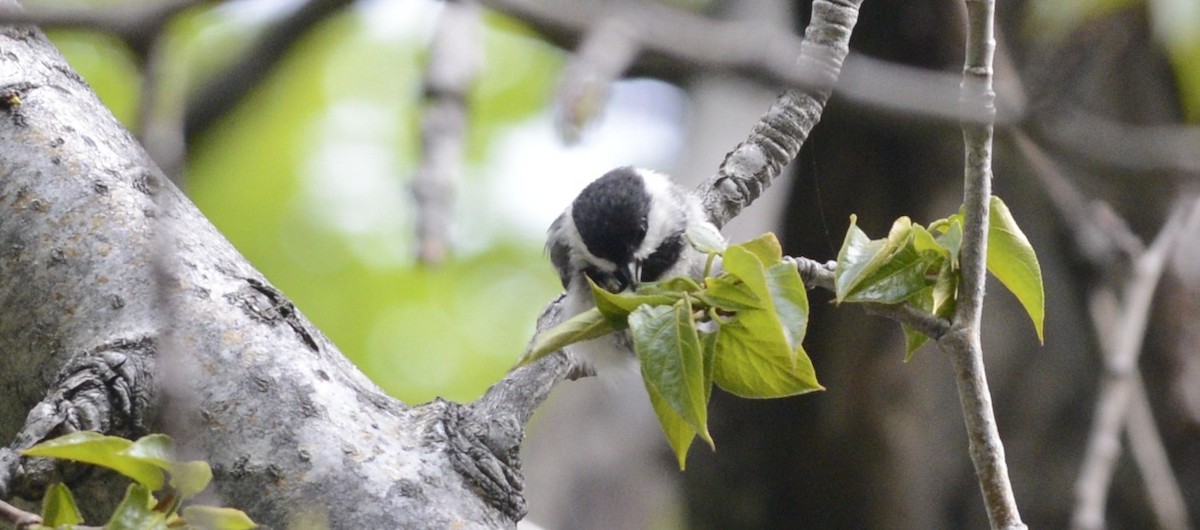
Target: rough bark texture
118	295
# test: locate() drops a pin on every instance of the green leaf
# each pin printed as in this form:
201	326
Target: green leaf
213	518
708	341
765	247
672	360
899	276
727	293
136	512
617	306
1012	260
790	300
679	434
951	236
586	325
923	241
945	290
671	287
748	267
59	508
858	258
748	366
757	357
914	339
188	478
107	451
900	232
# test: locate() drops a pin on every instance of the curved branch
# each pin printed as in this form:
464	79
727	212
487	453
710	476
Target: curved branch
775	141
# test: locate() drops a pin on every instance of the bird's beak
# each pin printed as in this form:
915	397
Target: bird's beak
635	274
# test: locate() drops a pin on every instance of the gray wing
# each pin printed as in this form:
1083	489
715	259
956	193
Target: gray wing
559	250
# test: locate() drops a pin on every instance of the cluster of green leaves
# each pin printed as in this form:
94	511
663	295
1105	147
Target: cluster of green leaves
149	463
741	330
920	265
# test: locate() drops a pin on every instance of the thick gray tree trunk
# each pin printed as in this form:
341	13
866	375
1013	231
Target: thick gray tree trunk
123	310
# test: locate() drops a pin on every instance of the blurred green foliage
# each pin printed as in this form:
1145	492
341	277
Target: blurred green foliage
1175	25
279	177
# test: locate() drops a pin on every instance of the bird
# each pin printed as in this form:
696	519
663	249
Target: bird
627	227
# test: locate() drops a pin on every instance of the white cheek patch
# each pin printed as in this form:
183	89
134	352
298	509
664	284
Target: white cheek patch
665	215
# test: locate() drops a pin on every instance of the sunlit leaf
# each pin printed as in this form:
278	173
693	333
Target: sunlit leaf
900	232
914	339
790	299
859	257
136	512
924	241
213	518
59	507
106	451
765	247
945	290
951	238
672	360
1012	260
725	292
708	343
746	365
670	287
188	478
900	276
706	238
586	325
756	356
679	434
617	306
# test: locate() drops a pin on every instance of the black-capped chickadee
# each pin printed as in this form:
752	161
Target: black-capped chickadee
628	226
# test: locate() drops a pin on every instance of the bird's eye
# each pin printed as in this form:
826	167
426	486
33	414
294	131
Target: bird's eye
642	227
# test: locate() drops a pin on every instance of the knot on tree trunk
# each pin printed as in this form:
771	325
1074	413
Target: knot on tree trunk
108	389
486	452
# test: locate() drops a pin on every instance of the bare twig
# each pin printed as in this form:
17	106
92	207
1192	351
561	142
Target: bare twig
1120	383
962	343
212	100
1104	240
455	59
1146	445
1100	236
607	51
1106	143
18	517
677	43
135	23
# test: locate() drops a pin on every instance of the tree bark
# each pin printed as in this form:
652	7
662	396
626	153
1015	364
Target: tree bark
123	310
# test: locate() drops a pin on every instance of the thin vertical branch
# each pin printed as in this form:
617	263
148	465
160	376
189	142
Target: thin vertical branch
962	343
455	58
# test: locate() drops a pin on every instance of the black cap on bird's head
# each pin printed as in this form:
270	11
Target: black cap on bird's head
611	217
630	223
